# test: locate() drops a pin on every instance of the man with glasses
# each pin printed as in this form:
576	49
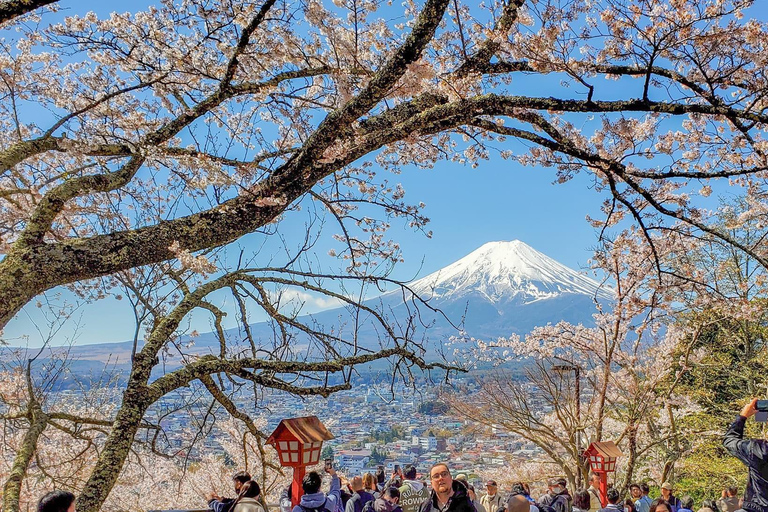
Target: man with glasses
447	495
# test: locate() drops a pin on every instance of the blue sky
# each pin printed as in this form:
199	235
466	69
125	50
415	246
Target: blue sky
499	200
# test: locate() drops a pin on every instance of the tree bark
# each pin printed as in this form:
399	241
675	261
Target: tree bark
14	8
632	455
12	487
136	401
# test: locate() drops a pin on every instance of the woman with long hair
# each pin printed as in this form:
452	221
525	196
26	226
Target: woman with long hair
581	501
247	500
369	484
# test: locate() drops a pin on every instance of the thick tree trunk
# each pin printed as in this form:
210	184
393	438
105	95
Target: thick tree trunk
11	9
601	401
632	455
29	271
136	401
12	487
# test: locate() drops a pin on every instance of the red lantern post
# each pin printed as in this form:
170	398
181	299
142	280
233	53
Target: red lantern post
602	460
298	442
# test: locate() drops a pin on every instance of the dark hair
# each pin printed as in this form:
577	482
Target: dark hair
392	492
311	482
658	502
645	487
732	490
380	475
519	488
581	500
250	489
710	504
635	485
241	476
686	501
630	505
410	472
439	464
55	501
470	487
613	495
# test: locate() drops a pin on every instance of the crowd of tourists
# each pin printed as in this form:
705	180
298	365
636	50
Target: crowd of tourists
403	491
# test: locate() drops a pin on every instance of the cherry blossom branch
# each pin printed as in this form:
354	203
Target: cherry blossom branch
210	365
218	394
23	150
379	85
481	60
245	36
28	448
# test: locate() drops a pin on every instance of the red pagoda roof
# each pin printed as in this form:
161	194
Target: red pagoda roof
605	448
307	429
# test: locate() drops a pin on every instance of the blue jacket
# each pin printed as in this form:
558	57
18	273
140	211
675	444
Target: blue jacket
221	506
674	503
330	502
643	504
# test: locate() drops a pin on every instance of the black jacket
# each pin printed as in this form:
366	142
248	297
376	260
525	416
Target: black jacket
753	453
358	501
459	502
558	502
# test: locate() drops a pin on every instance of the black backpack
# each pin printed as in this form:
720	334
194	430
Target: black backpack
545	503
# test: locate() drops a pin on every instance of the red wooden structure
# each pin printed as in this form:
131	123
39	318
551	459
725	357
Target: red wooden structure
602	460
298	442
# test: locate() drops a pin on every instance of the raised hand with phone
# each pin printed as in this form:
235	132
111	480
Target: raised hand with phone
753	453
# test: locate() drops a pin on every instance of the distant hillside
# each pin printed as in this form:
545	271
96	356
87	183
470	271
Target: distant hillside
499	289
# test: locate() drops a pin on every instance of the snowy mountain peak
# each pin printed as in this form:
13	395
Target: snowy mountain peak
504	272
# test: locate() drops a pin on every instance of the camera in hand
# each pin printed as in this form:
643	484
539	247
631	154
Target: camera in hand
762	405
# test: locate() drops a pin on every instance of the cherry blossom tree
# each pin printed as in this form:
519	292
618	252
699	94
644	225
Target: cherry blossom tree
722	308
303	358
141	138
255	106
629	366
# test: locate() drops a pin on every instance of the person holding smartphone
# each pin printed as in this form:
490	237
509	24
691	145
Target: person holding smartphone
754	454
314	499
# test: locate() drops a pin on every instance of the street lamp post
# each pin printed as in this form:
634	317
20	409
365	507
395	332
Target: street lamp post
562	369
602	460
299	442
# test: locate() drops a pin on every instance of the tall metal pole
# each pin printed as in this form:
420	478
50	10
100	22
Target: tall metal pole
561	368
577	371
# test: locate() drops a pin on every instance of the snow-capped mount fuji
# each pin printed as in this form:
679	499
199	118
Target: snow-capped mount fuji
508	287
498	289
504	273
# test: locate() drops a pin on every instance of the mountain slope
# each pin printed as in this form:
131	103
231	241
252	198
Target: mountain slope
499	289
507	273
